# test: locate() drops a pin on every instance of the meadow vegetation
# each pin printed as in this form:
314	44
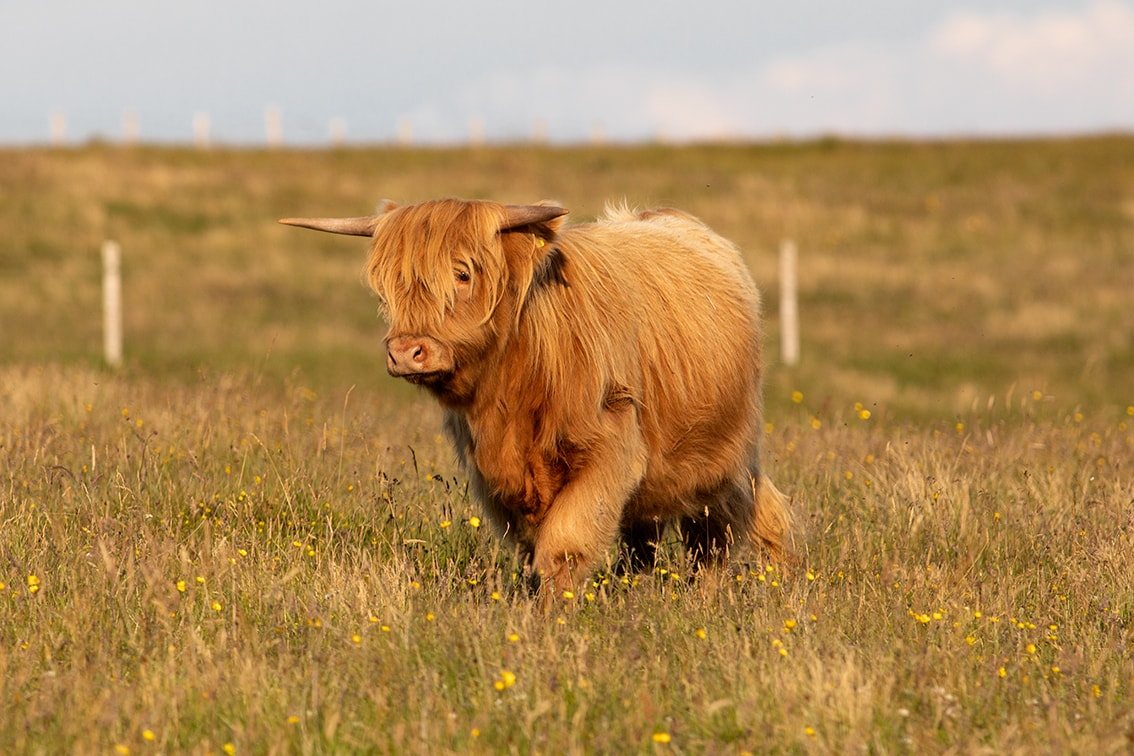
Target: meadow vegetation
250	540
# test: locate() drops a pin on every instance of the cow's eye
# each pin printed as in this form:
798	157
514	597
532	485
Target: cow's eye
462	275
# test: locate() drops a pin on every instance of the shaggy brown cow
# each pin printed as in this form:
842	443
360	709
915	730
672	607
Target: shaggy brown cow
597	380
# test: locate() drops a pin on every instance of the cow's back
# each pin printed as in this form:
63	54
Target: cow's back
681	331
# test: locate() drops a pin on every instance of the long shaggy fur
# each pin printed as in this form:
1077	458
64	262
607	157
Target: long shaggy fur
599	381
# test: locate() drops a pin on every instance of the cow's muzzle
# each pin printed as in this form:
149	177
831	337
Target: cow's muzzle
416	356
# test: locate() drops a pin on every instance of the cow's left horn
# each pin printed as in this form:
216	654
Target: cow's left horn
360	226
526	215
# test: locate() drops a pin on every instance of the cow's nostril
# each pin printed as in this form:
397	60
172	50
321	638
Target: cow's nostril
407	355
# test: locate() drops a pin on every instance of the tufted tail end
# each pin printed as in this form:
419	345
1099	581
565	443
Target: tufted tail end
772	527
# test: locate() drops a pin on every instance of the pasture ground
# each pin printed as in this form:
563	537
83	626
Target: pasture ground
250	540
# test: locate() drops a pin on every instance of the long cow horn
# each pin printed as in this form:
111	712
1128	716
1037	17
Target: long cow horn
360	226
526	215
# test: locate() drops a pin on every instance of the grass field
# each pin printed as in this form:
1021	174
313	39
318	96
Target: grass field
250	540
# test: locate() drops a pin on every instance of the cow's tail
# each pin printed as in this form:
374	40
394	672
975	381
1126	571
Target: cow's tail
771	527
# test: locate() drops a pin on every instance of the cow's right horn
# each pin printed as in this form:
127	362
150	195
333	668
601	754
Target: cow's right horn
526	215
360	226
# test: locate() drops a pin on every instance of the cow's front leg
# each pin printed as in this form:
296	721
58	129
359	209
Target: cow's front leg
583	520
576	533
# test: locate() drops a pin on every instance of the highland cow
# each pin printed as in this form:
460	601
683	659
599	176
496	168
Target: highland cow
598	381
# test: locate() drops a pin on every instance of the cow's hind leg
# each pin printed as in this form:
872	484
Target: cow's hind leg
723	518
641	545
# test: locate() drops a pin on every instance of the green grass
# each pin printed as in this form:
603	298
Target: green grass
250	539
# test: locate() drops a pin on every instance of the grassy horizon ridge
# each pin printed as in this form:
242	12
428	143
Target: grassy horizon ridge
964	267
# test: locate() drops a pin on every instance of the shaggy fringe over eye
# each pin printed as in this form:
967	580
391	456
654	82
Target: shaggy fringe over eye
417	247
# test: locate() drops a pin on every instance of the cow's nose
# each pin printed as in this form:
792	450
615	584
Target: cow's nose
408	356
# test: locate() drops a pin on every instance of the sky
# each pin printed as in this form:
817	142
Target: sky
618	70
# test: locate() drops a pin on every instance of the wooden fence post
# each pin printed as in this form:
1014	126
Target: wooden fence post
789	304
476	131
58	125
338	132
112	302
405	132
539	132
130	128
201	130
273	126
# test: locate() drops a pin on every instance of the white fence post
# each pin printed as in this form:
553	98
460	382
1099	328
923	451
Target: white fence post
112	302
201	130
405	132
130	128
789	304
476	131
338	132
273	126
539	132
58	125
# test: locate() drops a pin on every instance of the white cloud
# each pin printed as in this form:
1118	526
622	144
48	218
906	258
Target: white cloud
1049	53
636	69
975	72
849	88
686	108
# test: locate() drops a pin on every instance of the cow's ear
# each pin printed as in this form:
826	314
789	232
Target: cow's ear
544	219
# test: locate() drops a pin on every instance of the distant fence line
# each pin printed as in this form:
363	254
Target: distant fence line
112	303
274	135
202	137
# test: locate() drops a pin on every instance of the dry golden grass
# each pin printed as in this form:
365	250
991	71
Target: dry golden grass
286	571
226	548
